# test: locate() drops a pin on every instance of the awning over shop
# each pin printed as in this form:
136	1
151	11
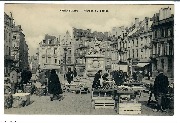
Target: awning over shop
141	64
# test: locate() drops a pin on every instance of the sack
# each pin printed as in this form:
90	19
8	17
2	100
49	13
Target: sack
8	101
20	100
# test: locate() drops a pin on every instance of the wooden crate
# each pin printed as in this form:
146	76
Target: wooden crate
129	108
21	99
28	89
104	103
71	87
41	91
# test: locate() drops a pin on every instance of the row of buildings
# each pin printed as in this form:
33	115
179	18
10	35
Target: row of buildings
15	46
146	45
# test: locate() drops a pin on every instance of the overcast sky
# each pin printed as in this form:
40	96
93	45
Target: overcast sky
40	19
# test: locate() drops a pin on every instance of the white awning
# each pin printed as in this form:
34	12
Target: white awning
142	64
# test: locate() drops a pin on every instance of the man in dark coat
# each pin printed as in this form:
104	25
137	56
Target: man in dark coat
54	86
69	75
161	84
96	82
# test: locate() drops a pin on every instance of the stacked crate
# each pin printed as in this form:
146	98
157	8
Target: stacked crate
100	99
128	103
71	87
129	108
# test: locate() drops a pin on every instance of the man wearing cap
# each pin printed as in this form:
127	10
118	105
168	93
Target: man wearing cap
161	84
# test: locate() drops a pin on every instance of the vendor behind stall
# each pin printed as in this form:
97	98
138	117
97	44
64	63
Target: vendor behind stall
96	82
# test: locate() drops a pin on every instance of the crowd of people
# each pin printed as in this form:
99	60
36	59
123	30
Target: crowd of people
50	79
18	78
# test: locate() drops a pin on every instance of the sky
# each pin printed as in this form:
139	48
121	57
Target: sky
37	20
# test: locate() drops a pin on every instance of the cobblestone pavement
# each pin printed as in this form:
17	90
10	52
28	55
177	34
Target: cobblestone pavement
74	104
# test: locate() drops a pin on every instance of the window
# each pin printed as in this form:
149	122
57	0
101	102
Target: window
162	32
49	60
133	53
133	42
55	60
137	43
55	50
69	60
9	51
14	37
170	64
137	53
50	41
162	63
170	48
155	34
70	42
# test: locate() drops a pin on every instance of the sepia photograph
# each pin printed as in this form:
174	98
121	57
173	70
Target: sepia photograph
89	59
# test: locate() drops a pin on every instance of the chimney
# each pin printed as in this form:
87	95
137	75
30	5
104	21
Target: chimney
146	24
136	22
11	14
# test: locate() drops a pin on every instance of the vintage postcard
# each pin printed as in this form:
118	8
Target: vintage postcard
89	59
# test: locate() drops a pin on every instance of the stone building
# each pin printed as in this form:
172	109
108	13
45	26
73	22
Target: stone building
114	53
91	48
20	49
163	42
67	52
33	63
138	45
8	26
82	39
49	53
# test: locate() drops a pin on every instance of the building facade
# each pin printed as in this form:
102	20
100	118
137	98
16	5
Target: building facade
163	42
82	40
67	52
33	63
19	50
49	53
8	26
136	45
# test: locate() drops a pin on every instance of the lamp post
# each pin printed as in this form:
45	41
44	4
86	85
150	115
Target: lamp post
130	65
65	53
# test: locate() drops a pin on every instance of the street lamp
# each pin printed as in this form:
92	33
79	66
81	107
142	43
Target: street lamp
65	53
130	66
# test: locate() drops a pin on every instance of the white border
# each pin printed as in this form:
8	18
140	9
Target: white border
93	118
